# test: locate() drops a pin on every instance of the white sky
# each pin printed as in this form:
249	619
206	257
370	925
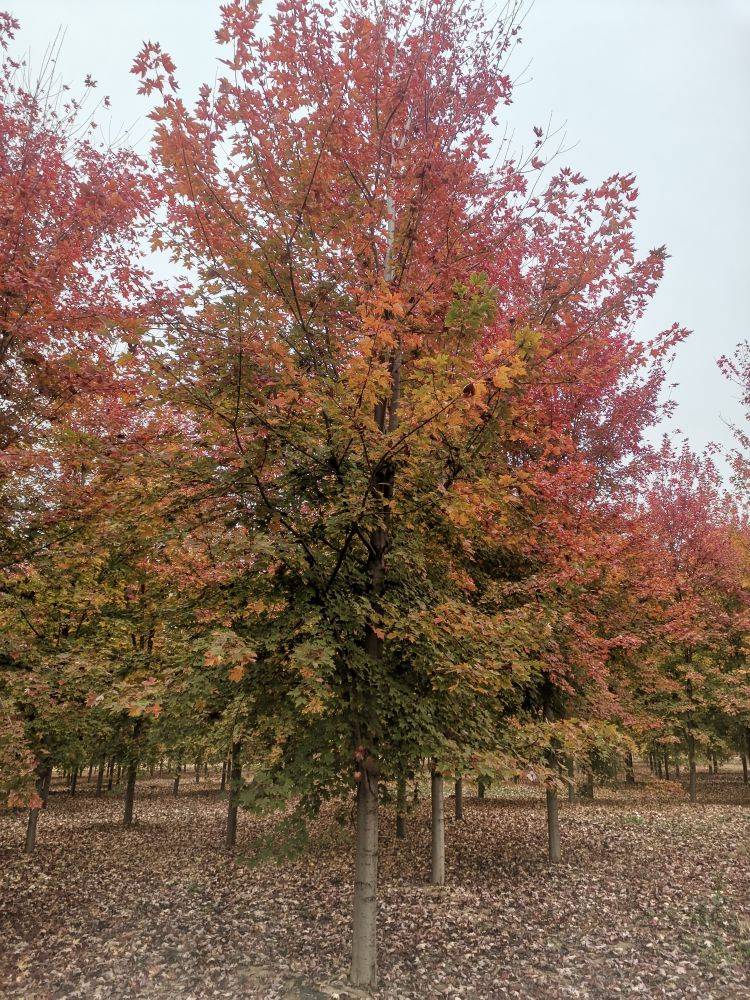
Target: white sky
656	87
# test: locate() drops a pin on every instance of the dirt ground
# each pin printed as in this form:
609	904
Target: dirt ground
652	899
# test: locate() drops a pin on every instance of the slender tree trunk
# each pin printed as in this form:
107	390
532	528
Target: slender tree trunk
118	777
693	785
480	789
42	790
197	772
401	807
437	861
629	770
91	771
658	766
744	768
553	824
715	760
235	784
677	765
364	945
459	798
131	775
110	773
73	780
571	782
223	775
176	785
100	778
587	789
666	765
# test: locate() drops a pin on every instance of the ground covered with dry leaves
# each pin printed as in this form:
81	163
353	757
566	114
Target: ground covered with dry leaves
652	899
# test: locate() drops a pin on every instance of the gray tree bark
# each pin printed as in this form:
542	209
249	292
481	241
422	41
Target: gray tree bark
401	808
437	860
235	784
364	944
459	798
44	778
553	825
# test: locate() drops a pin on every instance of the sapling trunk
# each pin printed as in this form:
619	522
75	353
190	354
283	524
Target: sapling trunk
223	775
666	765
110	773
437	860
176	785
629	770
132	772
744	768
715	760
364	943
91	771
401	808
553	824
100	778
480	789
73	780
571	781
131	775
235	784
44	778
459	798
587	788
693	785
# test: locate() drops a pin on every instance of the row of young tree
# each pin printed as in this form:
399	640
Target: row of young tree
371	482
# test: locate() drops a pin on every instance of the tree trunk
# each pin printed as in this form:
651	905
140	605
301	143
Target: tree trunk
658	766
118	777
73	780
91	771
459	798
553	825
176	785
587	789
110	773
480	789
437	860
693	785
364	944
571	781
132	774
677	765
100	778
235	784
629	770
223	775
197	772
744	768
715	760
401	808
666	765
44	778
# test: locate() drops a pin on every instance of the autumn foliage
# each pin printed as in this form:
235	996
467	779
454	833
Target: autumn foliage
374	482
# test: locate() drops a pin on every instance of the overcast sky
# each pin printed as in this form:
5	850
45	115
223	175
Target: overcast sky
657	87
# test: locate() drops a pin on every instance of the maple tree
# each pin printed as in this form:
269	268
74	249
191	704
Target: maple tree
371	490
